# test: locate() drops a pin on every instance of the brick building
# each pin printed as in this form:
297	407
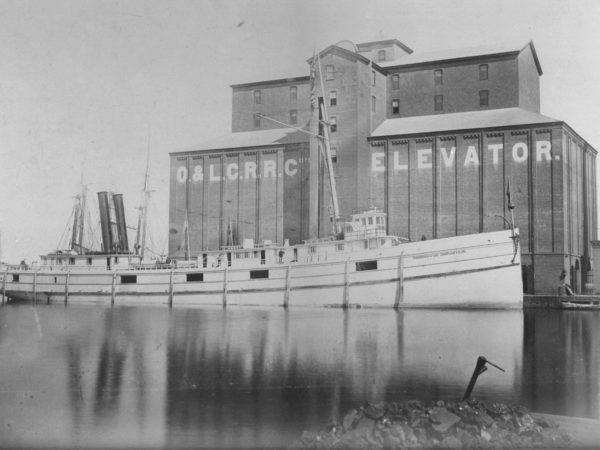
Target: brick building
434	139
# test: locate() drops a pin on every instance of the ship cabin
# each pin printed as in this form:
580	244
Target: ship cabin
69	260
366	231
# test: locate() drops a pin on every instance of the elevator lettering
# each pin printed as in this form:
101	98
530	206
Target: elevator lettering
234	171
447	156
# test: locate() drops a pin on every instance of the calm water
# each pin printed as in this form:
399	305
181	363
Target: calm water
152	377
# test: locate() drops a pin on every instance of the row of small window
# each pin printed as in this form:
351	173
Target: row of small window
293	118
293	95
438	102
438	76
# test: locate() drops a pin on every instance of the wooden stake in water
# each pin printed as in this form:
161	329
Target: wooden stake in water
67	286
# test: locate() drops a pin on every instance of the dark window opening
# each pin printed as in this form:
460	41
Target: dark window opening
395	81
254	274
333	154
89	261
262	257
438	77
228	259
381	55
395	106
333	98
333	124
72	261
438	101
373	78
195	277
329	72
257	98
483	72
204	260
15	278
484	98
128	279
366	265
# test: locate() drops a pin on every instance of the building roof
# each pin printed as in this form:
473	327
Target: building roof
436	123
304	79
373	44
460	54
258	138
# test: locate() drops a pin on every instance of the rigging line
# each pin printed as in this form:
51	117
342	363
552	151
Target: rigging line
287	125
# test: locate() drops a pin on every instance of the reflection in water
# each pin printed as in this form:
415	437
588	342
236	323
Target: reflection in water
562	362
250	377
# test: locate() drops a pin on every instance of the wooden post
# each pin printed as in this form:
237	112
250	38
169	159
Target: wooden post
400	286
346	300
225	280
288	280
112	289
171	289
35	286
4	285
67	286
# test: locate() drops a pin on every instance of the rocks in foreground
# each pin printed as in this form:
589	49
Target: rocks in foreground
412	424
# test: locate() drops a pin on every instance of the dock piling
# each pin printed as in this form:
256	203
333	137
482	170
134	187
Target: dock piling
288	280
171	289
67	286
225	280
346	300
4	285
112	288
35	287
400	286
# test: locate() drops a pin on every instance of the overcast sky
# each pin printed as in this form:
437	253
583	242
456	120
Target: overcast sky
86	87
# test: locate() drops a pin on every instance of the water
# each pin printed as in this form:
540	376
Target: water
92	376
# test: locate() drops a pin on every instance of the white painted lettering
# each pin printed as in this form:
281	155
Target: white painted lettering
213	175
424	158
290	167
520	152
543	148
270	169
448	158
232	172
495	148
182	174
250	169
472	158
377	164
397	165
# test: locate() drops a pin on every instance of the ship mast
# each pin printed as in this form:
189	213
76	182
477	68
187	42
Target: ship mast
140	236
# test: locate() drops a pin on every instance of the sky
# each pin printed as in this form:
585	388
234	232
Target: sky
88	88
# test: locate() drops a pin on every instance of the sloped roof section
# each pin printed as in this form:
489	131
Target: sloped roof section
258	138
436	123
462	53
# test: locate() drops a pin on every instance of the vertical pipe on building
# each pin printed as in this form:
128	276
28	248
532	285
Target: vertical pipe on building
171	290
346	299
288	280
112	288
4	285
67	286
35	286
225	280
400	286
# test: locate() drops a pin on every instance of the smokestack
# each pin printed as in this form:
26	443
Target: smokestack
121	225
105	221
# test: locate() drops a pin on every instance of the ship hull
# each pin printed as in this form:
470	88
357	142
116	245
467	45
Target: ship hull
475	271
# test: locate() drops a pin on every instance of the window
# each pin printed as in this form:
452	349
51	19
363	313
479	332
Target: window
15	277
257	97
293	93
381	55
329	72
484	98
72	261
333	124
259	274
256	121
339	247
438	101
128	279
89	261
372	78
483	72
395	81
333	154
333	98
395	106
366	265
438	77
293	116
373	103
195	277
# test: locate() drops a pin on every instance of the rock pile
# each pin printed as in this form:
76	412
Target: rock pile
412	424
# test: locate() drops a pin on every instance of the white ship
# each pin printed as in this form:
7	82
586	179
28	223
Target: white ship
366	268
